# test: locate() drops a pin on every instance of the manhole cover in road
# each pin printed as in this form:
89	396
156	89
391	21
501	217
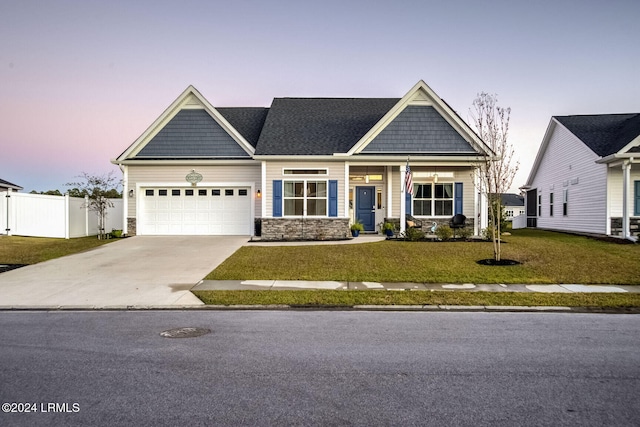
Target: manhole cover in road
184	332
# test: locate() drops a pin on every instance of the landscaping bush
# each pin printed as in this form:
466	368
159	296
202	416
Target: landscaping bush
444	232
464	232
413	234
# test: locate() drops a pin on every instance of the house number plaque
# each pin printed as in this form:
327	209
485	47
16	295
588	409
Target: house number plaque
193	177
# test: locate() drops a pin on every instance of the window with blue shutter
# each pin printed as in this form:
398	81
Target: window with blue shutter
333	198
408	203
277	198
458	198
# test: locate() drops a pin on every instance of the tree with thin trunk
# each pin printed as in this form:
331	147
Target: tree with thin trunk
497	172
97	189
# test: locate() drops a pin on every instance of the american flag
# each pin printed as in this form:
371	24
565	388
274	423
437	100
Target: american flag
408	181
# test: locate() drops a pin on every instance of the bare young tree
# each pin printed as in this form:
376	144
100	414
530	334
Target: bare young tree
97	189
496	174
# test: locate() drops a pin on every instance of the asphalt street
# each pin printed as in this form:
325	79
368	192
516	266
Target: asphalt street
319	368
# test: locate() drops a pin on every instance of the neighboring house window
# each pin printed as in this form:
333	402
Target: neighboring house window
509	213
433	199
540	205
550	204
565	202
305	198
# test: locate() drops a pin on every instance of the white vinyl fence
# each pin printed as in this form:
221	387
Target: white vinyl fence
64	217
519	221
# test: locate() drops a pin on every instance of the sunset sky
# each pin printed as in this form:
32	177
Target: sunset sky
81	80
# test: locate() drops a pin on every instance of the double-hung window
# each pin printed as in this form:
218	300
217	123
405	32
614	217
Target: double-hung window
433	199
305	198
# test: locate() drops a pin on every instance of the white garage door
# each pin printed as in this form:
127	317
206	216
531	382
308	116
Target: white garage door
195	211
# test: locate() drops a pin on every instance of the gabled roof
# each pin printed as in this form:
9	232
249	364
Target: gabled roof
604	134
609	136
178	119
319	126
418	123
7	184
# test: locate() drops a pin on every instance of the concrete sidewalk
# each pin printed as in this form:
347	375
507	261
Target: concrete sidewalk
233	285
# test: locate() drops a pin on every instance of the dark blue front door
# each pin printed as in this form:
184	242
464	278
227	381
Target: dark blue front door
365	207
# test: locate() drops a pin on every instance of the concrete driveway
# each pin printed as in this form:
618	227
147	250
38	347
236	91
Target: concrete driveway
139	271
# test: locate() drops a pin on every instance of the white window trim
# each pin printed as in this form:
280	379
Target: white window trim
326	172
305	198
433	199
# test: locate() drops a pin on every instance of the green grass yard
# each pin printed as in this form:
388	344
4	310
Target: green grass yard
32	250
340	298
546	257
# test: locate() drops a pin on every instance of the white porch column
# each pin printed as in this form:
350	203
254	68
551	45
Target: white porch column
346	190
626	196
403	199
389	212
265	193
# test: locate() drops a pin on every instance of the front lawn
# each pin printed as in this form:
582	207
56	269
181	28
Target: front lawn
546	257
31	250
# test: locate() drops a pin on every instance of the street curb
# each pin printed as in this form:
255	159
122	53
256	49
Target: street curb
389	308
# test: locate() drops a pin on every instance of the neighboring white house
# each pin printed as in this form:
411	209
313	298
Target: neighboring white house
7	186
513	205
306	166
586	176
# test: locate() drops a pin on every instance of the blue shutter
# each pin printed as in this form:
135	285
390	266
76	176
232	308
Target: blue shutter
408	203
457	201
277	198
333	198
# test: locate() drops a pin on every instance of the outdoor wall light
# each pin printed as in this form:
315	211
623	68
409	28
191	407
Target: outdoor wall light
131	193
259	194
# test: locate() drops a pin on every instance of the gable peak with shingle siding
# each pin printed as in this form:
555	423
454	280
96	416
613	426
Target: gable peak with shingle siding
191	133
604	134
189	100
419	129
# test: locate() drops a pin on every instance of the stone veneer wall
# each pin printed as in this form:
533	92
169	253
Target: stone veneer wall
305	228
131	226
634	226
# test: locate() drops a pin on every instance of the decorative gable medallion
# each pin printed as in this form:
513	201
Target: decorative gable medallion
193	177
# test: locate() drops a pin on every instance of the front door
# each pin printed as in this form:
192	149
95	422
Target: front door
366	207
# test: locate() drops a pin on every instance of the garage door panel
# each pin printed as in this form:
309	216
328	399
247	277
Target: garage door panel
202	211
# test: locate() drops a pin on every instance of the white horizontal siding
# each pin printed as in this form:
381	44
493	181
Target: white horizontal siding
568	164
274	171
171	175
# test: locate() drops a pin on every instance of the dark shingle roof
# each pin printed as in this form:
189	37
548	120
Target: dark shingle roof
4	183
604	134
319	126
511	199
246	120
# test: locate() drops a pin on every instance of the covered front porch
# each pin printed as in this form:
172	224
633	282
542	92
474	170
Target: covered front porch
376	194
623	196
